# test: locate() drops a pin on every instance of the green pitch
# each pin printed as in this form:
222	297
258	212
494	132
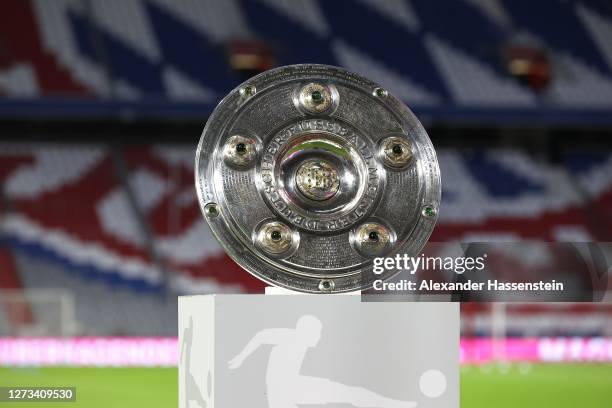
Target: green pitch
537	386
99	387
558	386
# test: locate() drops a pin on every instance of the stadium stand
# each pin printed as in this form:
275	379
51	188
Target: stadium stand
537	320
103	235
118	224
115	309
96	58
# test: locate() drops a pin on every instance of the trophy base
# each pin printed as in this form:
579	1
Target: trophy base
277	290
286	351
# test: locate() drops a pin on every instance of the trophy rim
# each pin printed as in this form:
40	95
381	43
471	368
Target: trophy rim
265	267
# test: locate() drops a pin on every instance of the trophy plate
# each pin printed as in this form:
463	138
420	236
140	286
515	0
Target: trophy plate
306	173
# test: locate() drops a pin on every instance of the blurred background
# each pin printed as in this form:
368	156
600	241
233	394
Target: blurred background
102	103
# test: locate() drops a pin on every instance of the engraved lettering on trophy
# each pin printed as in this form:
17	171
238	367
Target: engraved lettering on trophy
294	215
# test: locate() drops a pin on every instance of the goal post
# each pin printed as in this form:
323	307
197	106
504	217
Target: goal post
37	312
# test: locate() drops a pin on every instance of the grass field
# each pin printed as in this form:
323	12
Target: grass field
558	386
538	386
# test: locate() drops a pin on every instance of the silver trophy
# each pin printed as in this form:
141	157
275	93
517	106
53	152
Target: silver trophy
306	173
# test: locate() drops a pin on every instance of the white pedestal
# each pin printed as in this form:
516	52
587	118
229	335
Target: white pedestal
286	351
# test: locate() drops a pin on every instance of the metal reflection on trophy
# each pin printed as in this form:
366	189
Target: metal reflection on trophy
306	173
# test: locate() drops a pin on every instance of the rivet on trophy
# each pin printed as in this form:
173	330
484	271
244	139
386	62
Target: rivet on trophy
316	98
372	239
326	285
380	92
239	151
429	211
247	91
211	210
276	238
396	151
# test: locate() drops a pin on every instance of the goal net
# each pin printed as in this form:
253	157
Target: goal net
37	312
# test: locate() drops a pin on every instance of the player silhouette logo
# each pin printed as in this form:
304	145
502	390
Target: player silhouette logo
287	388
194	393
